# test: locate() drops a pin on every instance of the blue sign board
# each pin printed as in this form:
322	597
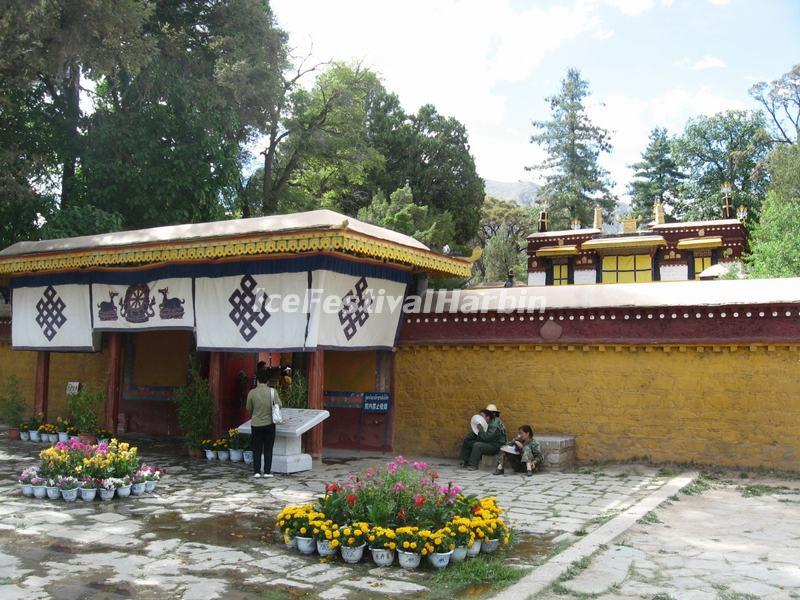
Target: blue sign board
376	402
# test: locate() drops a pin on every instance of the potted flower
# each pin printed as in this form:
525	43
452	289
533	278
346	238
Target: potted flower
39	485
62	425
83	409
325	533
382	545
88	489
410	546
463	536
439	545
48	433
53	492
69	488
103	436
291	520
247	454
33	426
138	483
24	433
25	480
477	527
73	432
12	406
208	447
235	445
108	488
304	530
195	410
496	533
124	487
151	476
221	447
353	540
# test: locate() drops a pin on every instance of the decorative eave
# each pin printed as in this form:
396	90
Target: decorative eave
626	242
328	240
546	251
564	233
700	243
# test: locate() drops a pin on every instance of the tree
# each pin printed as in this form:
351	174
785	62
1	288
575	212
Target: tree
656	176
574	180
503	234
781	100
728	147
776	237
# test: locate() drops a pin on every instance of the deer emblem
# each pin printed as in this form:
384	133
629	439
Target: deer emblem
170	308
108	310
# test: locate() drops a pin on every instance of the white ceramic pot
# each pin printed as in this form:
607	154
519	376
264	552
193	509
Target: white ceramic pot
383	557
35	436
39	491
87	495
306	545
475	549
490	546
53	493
25	435
27	489
102	441
459	554
324	548
408	560
137	489
236	455
52	437
440	559
223	454
292	543
149	486
106	495
352	554
124	492
211	455
247	455
63	436
69	495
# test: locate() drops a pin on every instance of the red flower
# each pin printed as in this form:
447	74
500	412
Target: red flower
401	514
475	509
419	500
351	499
333	487
433	474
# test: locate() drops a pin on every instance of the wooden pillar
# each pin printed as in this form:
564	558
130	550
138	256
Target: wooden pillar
42	383
316	383
215	383
113	377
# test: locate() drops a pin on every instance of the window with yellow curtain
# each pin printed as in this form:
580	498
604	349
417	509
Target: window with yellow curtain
702	260
561	274
635	268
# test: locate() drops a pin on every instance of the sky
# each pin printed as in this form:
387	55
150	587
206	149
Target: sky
491	63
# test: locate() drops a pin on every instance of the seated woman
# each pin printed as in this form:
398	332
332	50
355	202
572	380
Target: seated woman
486	441
530	453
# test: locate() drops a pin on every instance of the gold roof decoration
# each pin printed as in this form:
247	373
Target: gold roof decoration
700	243
560	250
630	223
624	242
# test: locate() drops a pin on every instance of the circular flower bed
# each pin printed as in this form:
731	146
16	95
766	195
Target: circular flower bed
399	508
72	470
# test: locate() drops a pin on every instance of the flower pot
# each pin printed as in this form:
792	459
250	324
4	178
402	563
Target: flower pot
34	436
459	554
383	557
439	559
195	453
352	554
149	486
103	441
69	495
63	436
236	455
25	435
87	439
290	542
408	560
475	549
137	489
490	546
106	495
39	491
247	455
53	437
124	491
53	493
13	433
223	454
211	455
306	545
27	489
88	494
324	548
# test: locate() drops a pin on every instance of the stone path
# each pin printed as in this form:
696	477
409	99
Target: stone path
738	540
208	531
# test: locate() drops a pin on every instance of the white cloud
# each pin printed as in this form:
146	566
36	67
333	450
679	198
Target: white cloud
708	62
632	8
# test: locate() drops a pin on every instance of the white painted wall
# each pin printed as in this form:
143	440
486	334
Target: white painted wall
674	272
536	278
585	276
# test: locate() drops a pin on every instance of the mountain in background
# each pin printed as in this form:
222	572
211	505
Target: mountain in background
524	192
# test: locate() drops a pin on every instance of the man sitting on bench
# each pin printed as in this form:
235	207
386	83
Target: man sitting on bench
486	441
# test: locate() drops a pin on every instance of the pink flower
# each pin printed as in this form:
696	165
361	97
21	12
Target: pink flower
392	467
399	486
400	460
420	466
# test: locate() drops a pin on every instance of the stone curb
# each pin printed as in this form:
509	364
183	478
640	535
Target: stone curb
545	575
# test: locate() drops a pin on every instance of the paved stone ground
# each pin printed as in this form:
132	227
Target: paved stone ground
738	540
207	531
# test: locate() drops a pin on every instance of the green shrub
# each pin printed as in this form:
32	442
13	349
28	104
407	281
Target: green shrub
83	408
296	394
195	406
12	406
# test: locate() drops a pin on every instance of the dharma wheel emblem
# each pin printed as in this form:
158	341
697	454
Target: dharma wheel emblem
249	312
355	308
50	313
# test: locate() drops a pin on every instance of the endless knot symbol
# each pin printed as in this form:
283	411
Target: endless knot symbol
50	313
354	312
244	313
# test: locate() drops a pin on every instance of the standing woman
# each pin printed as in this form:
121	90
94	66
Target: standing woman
259	405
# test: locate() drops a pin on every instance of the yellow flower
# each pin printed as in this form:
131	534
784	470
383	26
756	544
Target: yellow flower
302	530
351	540
392	545
336	533
334	543
413	545
357	532
405	545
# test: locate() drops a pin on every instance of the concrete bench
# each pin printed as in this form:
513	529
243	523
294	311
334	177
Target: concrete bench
558	451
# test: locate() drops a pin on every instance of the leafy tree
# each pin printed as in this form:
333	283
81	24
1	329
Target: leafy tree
574	180
656	176
728	147
502	255
781	100
776	237
503	234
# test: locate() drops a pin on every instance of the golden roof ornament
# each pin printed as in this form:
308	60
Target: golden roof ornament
658	212
598	217
630	223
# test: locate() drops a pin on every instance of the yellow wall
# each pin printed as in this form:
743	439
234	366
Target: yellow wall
352	371
90	369
23	365
715	405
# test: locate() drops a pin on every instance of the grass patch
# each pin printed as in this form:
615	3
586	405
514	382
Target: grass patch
474	577
668	472
650	518
662	596
703	483
576	568
724	593
760	489
559	548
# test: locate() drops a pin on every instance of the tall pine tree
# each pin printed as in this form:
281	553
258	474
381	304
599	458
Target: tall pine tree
656	176
574	181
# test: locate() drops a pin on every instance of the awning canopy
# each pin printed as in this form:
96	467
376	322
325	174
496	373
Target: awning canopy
631	242
700	243
547	251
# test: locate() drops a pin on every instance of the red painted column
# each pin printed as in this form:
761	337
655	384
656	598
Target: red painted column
42	383
316	383
113	378
215	383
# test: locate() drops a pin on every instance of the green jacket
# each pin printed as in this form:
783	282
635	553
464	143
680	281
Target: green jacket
532	451
495	434
259	404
